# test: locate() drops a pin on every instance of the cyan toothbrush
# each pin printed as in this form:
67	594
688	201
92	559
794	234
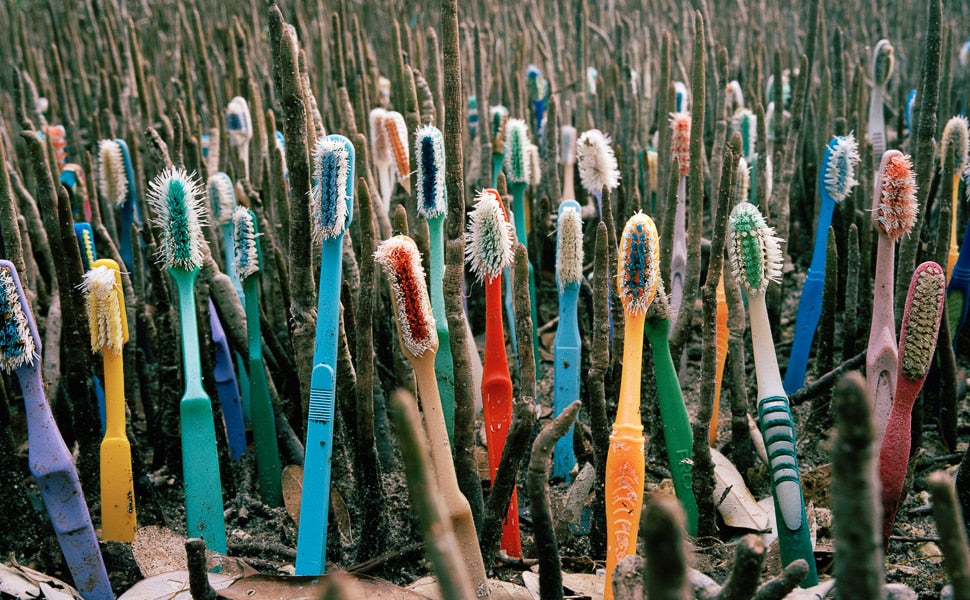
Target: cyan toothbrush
397	141
51	464
836	179
380	151
72	177
85	242
332	209
239	125
538	91
222	197
567	156
498	117
597	165
117	181
567	346
176	201
227	387
883	60
746	123
679	149
681	97
953	155
433	204
247	262
756	260
472	116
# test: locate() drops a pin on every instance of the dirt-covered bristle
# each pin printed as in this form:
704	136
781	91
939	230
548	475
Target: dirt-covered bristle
489	248
898	206
17	347
597	163
379	146
246	258
331	170
680	141
921	321
104	309
843	156
742	182
177	204
111	175
222	197
569	258
954	146
535	165
430	158
401	262
517	165
498	117
397	140
883	62
239	122
753	248
638	264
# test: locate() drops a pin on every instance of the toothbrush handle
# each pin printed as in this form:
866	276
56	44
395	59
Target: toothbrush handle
894	453
567	366
958	290
721	351
877	126
809	311
443	362
624	496
227	387
954	252
263	419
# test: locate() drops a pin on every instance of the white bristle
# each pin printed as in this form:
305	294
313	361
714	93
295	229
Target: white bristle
111	176
222	196
955	144
597	163
397	140
329	193
745	122
742	182
432	199
535	166
401	261
517	166
680	125
104	309
840	168
241	132
638	264
489	247
753	248
735	95
567	145
246	259
17	347
380	150
569	258
176	199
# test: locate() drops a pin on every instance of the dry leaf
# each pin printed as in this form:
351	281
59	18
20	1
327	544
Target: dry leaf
737	505
293	490
427	587
158	550
342	514
172	586
576	586
19	582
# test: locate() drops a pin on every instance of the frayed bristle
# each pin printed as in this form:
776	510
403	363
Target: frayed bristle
239	122
597	163
17	347
638	264
660	307
652	166
921	320
536	85
742	182
883	61
567	145
569	241
754	250
681	96
498	116
111	175
332	172
222	197
746	123
680	141
397	140
176	200
898	207
517	164
103	293
401	261
430	155
955	145
735	95
380	148
246	258
535	166
489	240
843	156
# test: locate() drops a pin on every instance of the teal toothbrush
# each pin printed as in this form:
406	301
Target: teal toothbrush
567	346
498	118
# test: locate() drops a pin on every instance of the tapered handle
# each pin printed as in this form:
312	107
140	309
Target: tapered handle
311	550
809	311
624	496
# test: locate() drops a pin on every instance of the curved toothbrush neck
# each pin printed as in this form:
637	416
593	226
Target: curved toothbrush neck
436	273
191	361
765	361
494	328
822	233
628	407
251	289
328	302
567	333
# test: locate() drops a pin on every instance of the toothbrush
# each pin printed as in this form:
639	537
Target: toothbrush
893	215
85	243
433	204
756	259
917	345
332	200
498	118
247	263
472	116
953	154
538	91
835	181
109	333
567	156
239	125
637	275
678	435
680	149
489	246
518	170
397	141
650	155
117	182
401	261
72	177
746	123
227	387
380	151
223	201
176	200
567	346
51	464
883	60
681	97
597	165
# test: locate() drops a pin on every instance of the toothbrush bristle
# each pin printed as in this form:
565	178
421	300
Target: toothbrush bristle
489	238
401	261
239	122
597	163
660	307
680	141
535	166
744	122
222	196
498	117
898	206
247	255
652	158
955	144
430	157
921	320
397	140
567	145
569	258
111	176
639	264
104	309
17	347
742	182
754	250
516	162
331	163
680	96
883	61
175	197
840	168
379	147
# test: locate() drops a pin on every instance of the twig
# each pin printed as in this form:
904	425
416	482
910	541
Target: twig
783	584
827	381
599	362
198	578
953	536
665	575
745	575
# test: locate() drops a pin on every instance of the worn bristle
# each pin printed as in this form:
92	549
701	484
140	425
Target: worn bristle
567	145
898	207
569	254
103	295
742	182
397	140
516	162
754	250
956	141
17	347
498	117
680	141
652	166
681	96
430	155
111	175
247	254
489	240
380	148
176	199
597	163
883	60
921	320
535	166
843	156
638	264
735	95
660	307
401	261
331	163
239	123
222	196
744	122
536	85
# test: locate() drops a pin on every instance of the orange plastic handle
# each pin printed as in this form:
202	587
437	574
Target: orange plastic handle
721	350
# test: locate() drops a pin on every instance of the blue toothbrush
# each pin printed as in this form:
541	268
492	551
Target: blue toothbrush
227	387
567	345
117	181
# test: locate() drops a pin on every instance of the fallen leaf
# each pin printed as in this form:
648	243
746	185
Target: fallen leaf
498	590
293	490
172	586
19	582
737	505
342	514
158	550
576	586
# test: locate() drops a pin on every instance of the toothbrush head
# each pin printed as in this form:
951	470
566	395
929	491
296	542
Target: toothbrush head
490	238
85	243
19	340
964	55
536	85
883	61
921	320
680	141
569	244
401	261
908	113
333	190
472	116
896	205
535	166
841	158
106	307
498	118
953	149
397	140
638	264
380	148
597	163
735	95
222	196
430	156
753	249
681	96
246	232
652	166
176	200
567	145
742	182
516	162
239	123
746	122
112	178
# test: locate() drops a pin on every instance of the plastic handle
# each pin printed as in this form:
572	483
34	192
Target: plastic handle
678	257
568	356
894	453
721	351
443	364
624	496
311	549
809	311
117	485
958	289
227	387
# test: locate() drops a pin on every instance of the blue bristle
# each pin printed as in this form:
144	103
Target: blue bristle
234	121
16	343
637	261
329	165
430	174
